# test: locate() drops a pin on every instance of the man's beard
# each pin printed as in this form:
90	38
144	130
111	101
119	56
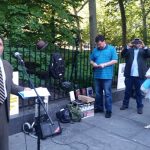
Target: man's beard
100	48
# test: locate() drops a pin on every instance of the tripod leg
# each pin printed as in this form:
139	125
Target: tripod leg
74	66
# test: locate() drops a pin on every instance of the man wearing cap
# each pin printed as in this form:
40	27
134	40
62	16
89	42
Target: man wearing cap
103	58
135	55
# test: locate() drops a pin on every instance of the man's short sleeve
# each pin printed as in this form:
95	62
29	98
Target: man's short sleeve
92	55
114	54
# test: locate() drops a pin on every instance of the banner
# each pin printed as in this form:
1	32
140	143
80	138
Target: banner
121	78
14	100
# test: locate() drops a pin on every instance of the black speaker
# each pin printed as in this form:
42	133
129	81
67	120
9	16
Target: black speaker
47	129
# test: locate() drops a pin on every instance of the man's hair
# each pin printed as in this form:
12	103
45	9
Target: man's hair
99	37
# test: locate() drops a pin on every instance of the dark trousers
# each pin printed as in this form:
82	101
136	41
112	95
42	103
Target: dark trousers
100	85
129	83
3	128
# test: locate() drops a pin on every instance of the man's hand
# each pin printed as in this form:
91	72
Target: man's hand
27	89
103	65
95	65
129	45
148	77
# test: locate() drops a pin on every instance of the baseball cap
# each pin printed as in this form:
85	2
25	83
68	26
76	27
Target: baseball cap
137	41
41	44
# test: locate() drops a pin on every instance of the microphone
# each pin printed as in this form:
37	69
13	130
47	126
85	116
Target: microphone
18	56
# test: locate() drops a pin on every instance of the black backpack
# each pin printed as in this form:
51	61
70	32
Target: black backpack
71	113
57	66
64	115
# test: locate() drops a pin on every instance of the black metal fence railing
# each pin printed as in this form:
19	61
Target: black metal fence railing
77	67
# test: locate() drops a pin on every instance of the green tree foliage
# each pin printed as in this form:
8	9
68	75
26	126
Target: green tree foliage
58	21
109	20
27	21
145	10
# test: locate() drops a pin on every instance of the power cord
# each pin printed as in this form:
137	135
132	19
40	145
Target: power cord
69	144
87	146
27	129
64	144
55	142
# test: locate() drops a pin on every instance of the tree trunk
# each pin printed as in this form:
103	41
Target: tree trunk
52	26
79	36
123	20
144	22
79	29
92	22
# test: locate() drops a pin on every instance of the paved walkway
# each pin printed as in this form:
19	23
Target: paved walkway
124	131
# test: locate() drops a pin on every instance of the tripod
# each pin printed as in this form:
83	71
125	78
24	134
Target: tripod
74	63
39	104
74	66
67	85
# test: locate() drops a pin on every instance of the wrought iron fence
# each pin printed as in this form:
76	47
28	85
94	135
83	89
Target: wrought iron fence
77	67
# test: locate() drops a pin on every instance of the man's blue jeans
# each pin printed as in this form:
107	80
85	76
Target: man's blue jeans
100	85
129	83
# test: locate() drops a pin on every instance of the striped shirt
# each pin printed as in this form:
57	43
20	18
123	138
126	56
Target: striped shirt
4	76
102	56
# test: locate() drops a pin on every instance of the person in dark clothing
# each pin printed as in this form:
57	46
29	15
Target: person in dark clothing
6	87
136	55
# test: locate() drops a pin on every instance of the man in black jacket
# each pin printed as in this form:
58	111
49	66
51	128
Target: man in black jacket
136	56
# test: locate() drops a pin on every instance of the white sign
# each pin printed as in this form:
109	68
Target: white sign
14	100
72	96
121	78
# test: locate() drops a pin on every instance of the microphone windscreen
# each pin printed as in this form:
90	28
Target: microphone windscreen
16	54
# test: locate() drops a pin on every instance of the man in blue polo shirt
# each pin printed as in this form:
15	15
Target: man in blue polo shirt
103	58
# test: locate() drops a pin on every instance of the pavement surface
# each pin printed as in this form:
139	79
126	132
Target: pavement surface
123	131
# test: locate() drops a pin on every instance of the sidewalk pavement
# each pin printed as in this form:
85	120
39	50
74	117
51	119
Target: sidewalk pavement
123	131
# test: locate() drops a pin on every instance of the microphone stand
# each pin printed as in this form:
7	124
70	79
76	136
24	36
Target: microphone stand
40	102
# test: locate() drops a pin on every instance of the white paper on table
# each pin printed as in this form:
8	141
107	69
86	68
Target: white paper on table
31	93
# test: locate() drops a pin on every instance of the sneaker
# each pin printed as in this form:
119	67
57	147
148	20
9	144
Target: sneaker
108	114
147	127
98	110
140	110
123	107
